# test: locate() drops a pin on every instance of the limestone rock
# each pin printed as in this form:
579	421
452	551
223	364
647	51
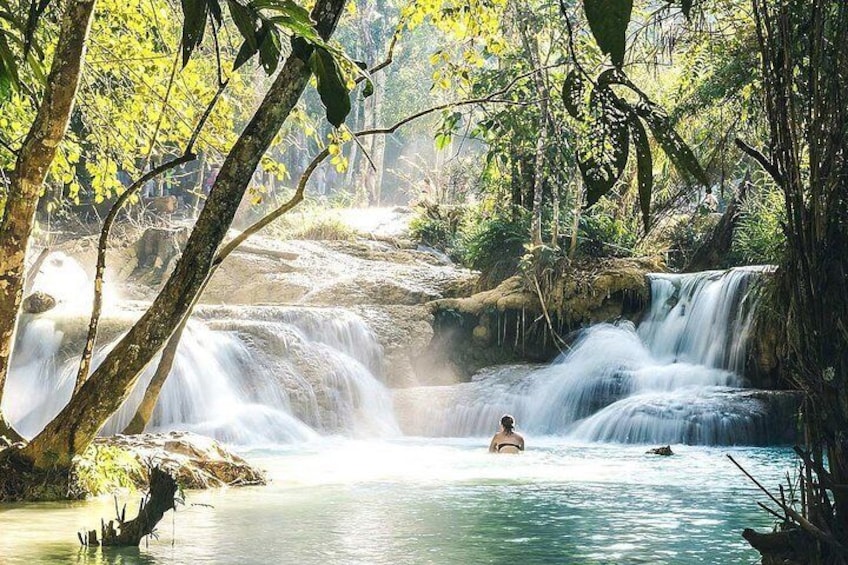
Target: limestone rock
38	302
197	462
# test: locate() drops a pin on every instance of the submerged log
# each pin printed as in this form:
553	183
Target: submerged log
160	499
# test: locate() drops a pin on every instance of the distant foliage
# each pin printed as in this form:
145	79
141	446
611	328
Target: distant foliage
759	238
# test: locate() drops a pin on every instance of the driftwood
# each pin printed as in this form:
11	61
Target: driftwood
159	499
787	547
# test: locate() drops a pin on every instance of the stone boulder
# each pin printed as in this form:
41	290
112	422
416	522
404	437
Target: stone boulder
197	462
38	302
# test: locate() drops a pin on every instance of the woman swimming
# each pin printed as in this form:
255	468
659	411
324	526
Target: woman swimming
507	440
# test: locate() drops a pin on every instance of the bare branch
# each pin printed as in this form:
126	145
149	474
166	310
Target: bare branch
764	162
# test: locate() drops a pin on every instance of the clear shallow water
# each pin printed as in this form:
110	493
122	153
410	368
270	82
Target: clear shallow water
425	500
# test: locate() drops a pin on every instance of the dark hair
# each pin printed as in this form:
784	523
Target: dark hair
508	422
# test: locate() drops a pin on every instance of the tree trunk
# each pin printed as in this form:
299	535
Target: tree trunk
109	385
33	163
151	395
531	47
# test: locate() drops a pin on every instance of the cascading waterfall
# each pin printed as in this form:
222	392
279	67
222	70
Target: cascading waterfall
245	375
675	379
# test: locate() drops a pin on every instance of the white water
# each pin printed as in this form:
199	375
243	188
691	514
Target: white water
248	376
671	381
268	375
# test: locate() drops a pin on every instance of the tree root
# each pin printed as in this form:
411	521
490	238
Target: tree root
160	499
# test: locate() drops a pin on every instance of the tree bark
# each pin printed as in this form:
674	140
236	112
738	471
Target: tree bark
31	167
531	46
109	385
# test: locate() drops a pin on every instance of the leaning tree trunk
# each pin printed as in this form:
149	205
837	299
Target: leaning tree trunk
33	163
110	384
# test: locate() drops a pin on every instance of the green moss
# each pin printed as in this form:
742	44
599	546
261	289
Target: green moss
103	469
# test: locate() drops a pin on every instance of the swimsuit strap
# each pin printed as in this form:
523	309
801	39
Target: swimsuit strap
518	447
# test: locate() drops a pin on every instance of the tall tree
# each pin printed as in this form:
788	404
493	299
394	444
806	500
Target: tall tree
33	162
109	385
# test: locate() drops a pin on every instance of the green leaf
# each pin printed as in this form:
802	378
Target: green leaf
245	19
9	79
686	5
608	20
672	144
331	86
368	89
604	161
443	139
245	53
573	91
293	17
194	25
269	47
644	167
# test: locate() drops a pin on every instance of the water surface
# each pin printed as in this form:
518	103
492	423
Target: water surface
438	500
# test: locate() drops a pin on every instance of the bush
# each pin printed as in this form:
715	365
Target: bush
758	238
313	224
437	226
494	246
602	235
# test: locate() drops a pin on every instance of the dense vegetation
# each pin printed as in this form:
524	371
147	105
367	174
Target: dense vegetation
544	131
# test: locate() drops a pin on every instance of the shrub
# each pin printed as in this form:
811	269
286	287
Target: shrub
602	235
758	238
494	246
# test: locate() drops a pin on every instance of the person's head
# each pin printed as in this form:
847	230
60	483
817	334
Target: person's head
508	423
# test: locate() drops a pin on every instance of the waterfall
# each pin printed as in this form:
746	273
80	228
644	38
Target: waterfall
249	376
702	318
677	378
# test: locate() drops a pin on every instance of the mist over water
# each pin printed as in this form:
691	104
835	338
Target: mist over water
673	379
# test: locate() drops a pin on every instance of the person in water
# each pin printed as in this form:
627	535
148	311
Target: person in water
507	440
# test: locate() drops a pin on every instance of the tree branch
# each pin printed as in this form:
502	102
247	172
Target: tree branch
100	270
764	162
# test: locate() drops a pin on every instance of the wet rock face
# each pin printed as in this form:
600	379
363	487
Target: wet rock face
509	323
38	302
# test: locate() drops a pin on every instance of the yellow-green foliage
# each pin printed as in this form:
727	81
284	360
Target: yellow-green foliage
313	224
103	469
